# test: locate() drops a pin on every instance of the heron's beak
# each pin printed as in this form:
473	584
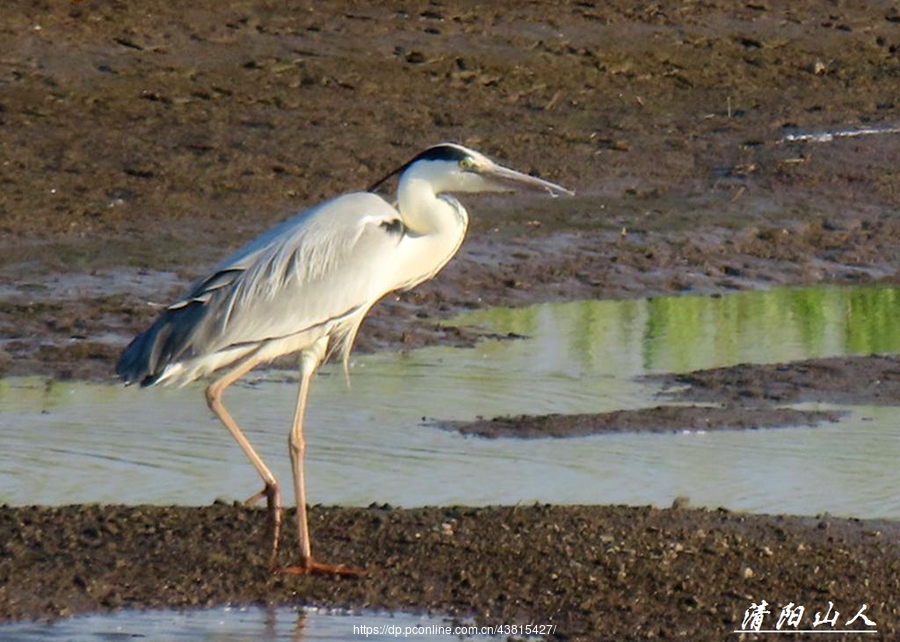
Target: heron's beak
507	179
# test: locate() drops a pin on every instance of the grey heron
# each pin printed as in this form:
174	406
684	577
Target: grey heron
304	287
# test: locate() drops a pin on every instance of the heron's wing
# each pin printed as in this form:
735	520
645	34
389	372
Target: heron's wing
317	267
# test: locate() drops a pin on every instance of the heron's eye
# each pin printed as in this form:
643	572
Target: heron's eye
467	163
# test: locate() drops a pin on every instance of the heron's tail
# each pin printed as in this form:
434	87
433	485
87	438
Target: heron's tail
165	342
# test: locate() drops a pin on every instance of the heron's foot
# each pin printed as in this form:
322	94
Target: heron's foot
264	493
311	567
272	493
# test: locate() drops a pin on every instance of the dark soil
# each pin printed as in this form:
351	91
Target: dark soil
869	380
140	138
658	419
143	141
597	572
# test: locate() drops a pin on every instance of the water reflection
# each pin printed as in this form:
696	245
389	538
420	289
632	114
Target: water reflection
284	624
75	442
684	333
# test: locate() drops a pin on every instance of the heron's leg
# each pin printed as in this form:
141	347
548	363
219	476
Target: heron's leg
297	449
309	363
271	490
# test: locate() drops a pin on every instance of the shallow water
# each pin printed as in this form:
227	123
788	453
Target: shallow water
829	135
75	442
283	624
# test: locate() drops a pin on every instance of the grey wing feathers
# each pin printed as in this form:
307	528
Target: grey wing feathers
318	266
146	356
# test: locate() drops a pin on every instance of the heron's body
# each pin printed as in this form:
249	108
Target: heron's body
306	285
306	280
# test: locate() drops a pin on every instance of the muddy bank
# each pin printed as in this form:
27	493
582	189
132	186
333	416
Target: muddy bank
143	138
630	573
748	396
856	380
658	419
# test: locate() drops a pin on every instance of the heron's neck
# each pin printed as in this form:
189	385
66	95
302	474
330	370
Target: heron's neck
425	212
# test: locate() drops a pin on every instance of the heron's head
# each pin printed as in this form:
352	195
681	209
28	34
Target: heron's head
449	167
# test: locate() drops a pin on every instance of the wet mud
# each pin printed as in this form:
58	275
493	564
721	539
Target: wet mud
741	397
143	141
658	419
865	380
594	571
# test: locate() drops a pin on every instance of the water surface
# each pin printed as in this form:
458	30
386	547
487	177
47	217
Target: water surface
282	624
75	442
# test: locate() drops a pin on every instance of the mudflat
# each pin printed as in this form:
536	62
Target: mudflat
713	147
